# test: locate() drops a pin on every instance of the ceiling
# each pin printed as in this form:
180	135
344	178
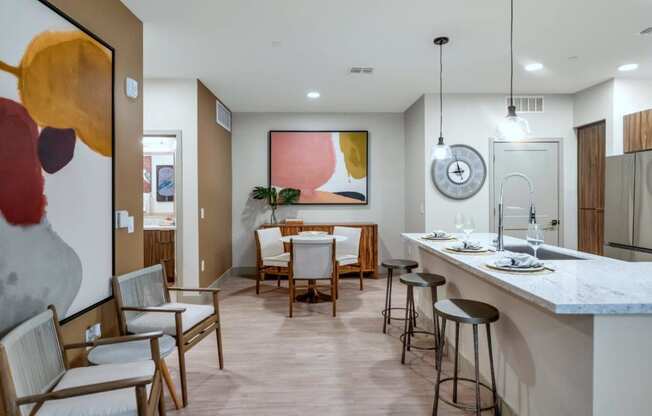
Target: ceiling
266	55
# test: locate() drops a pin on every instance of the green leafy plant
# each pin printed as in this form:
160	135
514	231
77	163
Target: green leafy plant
275	198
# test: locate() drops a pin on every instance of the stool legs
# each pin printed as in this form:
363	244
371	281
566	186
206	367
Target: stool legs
493	376
439	353
407	324
388	300
477	370
457	359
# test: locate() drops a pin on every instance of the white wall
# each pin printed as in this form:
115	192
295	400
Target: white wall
594	104
415	180
158	207
386	176
471	119
172	105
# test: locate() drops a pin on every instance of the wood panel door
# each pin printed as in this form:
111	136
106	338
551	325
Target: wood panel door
591	181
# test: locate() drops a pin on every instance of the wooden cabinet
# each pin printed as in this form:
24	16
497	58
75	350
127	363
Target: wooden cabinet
637	131
368	239
591	155
159	247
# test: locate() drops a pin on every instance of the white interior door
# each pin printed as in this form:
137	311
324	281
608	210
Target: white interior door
540	162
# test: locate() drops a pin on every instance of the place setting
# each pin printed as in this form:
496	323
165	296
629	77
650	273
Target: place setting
522	263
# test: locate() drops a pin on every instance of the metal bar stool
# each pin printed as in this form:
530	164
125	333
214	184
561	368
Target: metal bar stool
464	311
391	265
413	280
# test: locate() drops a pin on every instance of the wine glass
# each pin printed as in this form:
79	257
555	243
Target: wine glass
534	237
459	222
468	227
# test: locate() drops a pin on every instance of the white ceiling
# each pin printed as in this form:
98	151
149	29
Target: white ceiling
264	55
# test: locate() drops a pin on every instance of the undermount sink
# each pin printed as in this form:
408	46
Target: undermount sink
542	253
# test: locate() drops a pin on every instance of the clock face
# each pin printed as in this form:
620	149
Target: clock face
462	176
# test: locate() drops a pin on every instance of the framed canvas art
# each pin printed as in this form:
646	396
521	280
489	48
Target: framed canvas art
56	163
329	167
165	183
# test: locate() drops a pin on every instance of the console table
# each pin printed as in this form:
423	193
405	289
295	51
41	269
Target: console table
368	240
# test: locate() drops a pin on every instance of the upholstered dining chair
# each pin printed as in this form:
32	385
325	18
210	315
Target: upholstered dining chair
37	380
271	257
313	259
348	252
143	302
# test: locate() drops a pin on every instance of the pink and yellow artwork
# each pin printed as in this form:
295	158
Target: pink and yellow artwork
329	167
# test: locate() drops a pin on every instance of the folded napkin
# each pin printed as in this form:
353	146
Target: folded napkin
467	245
436	234
520	260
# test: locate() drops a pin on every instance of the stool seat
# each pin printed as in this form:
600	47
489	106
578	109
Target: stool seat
400	264
423	279
466	311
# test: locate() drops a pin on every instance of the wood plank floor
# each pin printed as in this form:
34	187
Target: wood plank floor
312	364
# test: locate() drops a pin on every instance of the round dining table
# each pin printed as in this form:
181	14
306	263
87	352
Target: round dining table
313	295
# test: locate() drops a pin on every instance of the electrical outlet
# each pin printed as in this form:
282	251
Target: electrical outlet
93	332
203	266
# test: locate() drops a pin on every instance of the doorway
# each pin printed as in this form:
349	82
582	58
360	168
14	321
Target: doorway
539	160
162	172
591	154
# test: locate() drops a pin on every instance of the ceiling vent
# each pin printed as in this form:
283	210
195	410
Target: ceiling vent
527	104
223	116
647	31
361	70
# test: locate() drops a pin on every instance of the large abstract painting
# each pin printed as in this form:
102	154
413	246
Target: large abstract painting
329	167
56	167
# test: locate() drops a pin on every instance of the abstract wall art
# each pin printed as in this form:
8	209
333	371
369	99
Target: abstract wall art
329	167
56	163
165	183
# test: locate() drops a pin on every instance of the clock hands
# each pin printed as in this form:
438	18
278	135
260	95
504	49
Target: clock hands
459	170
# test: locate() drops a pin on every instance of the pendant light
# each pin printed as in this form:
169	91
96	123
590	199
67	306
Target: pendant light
512	127
441	151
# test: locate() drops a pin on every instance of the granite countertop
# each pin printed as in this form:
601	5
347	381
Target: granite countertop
593	286
159	227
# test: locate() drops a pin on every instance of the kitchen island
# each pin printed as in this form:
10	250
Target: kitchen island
573	341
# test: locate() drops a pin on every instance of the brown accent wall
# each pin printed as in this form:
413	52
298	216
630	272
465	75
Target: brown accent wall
214	188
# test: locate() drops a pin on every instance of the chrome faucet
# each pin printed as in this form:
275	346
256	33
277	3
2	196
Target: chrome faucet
500	246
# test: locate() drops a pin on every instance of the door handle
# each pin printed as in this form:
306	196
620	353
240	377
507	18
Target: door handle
554	223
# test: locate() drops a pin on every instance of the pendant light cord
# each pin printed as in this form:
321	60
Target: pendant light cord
511	53
441	94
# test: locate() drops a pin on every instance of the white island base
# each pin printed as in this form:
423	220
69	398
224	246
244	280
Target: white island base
549	361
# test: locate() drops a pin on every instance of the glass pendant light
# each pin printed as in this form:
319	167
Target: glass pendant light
512	127
440	150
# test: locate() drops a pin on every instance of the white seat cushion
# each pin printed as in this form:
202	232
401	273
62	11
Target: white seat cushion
161	321
116	402
282	260
347	259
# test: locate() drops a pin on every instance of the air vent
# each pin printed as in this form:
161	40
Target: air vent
361	70
223	116
527	104
647	31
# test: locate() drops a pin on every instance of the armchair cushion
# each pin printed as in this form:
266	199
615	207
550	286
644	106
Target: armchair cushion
281	260
157	321
117	402
347	260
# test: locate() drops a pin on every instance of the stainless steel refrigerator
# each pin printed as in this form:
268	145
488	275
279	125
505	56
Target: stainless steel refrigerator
628	207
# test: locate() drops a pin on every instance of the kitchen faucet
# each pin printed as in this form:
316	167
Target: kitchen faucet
500	246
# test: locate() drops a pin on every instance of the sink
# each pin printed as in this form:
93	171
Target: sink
543	253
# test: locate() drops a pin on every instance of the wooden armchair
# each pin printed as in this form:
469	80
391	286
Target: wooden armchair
143	302
37	380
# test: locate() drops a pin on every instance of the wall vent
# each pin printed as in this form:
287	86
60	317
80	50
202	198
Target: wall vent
361	70
527	104
647	31
223	116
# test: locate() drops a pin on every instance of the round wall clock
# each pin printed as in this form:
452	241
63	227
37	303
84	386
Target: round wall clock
462	176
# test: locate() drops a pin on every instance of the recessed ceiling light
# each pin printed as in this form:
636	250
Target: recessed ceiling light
628	67
535	66
313	95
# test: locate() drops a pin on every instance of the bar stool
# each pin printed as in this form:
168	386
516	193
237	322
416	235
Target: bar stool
413	280
465	311
391	265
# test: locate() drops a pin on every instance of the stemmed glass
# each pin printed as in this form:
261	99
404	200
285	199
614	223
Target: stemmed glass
459	222
535	237
468	227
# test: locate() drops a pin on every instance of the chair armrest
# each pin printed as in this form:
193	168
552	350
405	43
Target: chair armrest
85	390
152	309
114	340
194	289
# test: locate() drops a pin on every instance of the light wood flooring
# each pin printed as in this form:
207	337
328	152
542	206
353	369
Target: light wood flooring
312	364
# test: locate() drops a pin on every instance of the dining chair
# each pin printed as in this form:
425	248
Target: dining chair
37	378
313	259
271	256
143	302
348	252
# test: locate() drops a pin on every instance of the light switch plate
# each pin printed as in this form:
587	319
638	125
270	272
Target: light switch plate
201	213
203	266
121	219
131	88
93	332
130	225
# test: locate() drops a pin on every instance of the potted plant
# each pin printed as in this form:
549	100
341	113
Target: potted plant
275	198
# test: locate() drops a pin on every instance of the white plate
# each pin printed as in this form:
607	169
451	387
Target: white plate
516	269
467	250
446	238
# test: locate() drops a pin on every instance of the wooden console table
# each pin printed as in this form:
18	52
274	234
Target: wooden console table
368	239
